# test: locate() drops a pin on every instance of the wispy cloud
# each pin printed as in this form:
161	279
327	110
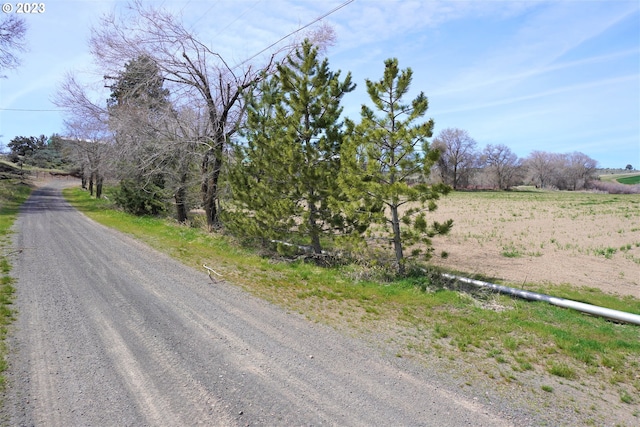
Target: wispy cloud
559	90
518	77
543	37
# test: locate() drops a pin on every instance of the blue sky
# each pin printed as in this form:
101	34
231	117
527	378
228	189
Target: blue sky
557	76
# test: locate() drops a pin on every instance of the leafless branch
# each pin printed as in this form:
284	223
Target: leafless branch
12	35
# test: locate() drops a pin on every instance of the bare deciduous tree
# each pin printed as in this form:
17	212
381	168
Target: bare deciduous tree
12	33
540	166
196	75
90	147
503	164
458	156
569	171
87	125
580	170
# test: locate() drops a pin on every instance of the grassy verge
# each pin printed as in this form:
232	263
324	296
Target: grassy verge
498	338
12	195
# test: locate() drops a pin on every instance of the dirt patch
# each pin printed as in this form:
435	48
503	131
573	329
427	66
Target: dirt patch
582	239
42	178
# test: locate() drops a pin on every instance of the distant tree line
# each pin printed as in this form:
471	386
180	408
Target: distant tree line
462	165
75	156
41	151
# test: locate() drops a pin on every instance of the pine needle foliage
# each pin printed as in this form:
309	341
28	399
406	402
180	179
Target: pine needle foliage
384	159
137	104
284	178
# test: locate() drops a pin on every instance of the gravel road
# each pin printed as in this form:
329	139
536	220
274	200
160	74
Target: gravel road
112	333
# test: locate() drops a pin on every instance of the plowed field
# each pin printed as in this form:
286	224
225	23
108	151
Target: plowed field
582	239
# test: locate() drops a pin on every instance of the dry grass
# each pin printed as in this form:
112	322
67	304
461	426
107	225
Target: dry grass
581	239
618	187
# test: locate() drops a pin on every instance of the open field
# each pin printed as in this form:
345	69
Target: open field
626	177
629	180
535	237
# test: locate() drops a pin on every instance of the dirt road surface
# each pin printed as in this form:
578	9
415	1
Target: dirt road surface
112	333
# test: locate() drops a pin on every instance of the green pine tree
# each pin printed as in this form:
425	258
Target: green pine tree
139	84
284	180
137	104
258	176
384	158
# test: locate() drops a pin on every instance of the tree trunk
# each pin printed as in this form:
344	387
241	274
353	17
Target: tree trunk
211	168
397	241
91	184
99	181
313	229
181	205
206	191
455	176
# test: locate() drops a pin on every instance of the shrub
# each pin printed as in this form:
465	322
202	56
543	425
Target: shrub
614	187
140	199
562	370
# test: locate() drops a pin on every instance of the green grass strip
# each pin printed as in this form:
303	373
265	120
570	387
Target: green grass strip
12	195
630	180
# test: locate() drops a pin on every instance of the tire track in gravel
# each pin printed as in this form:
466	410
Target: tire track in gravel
110	332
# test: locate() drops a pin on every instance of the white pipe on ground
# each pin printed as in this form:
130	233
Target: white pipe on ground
621	316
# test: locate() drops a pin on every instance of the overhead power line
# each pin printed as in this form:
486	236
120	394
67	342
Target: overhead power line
332	11
335	9
29	109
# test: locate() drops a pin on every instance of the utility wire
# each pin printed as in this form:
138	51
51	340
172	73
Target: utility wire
26	109
332	11
203	15
247	10
296	31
